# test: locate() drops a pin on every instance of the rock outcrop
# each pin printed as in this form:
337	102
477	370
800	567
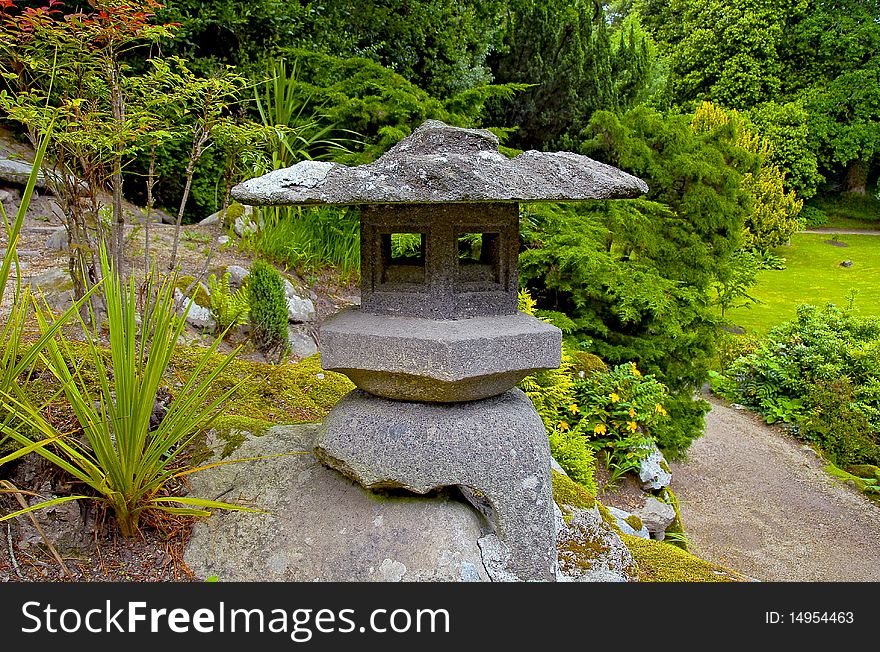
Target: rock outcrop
319	525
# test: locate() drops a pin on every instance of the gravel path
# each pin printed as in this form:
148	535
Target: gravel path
756	500
830	230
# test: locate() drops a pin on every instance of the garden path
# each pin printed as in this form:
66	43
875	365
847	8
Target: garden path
756	500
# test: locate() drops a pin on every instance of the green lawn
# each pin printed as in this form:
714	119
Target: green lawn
813	275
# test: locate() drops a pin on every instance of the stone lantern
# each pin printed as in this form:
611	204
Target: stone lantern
437	345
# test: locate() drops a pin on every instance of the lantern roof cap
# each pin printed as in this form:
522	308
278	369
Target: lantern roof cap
443	164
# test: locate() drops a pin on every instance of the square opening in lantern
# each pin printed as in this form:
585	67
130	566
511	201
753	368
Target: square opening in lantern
403	258
478	258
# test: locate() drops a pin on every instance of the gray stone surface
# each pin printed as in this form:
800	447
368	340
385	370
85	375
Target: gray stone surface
620	517
439	163
196	316
657	516
590	551
57	241
213	218
52	281
414	359
245	224
237	275
321	526
440	283
497	448
17	172
301	342
299	310
62	525
654	471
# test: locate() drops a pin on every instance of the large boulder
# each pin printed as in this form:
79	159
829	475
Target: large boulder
17	172
319	525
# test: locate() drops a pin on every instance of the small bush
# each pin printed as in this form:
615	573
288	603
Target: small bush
812	217
821	374
268	307
619	403
732	346
838	427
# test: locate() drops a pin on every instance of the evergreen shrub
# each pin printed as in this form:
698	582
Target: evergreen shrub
268	307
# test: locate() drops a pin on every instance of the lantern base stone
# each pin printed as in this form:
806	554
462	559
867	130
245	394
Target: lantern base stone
495	449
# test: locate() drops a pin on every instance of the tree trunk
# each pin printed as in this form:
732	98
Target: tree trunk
856	181
118	229
201	137
151	182
189	175
118	220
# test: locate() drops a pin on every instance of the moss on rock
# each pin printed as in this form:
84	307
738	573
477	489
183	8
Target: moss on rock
587	363
676	527
867	485
567	492
659	562
864	470
197	293
634	522
266	395
589	548
233	212
280	394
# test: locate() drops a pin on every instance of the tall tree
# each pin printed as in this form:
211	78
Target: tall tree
439	45
574	65
836	50
636	277
823	56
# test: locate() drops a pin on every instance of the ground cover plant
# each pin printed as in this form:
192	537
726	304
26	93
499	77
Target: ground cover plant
850	211
819	374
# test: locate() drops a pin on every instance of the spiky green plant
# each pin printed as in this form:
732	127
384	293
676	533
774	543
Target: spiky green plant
311	238
300	134
129	466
